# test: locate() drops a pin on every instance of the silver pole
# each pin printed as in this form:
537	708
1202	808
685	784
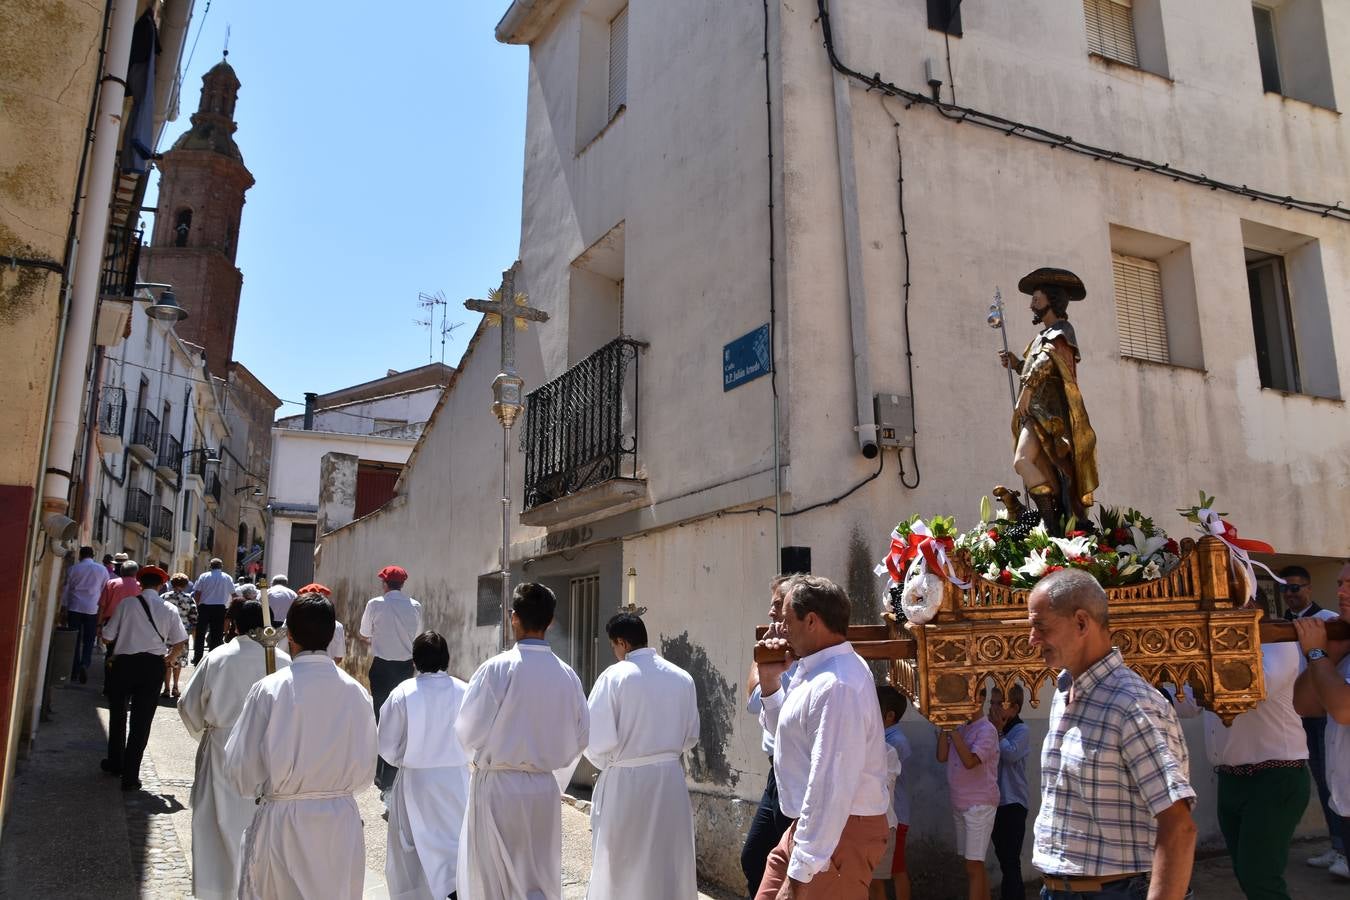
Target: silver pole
506	535
995	320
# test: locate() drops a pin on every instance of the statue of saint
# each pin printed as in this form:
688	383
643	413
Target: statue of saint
1056	448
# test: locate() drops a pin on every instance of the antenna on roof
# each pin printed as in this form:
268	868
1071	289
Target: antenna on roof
430	302
226	52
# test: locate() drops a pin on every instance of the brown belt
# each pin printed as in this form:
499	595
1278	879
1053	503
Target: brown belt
1082	884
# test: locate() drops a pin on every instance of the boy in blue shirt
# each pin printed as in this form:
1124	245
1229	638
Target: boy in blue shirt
892	865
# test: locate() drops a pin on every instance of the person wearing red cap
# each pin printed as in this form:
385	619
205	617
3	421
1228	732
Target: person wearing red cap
145	632
337	647
389	625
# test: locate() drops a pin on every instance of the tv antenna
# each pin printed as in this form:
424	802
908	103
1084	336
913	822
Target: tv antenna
429	302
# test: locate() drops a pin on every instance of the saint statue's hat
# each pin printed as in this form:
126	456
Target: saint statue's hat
1071	283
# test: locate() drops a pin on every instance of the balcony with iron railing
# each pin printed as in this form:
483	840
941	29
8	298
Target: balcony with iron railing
213	488
121	257
112	418
581	438
136	513
197	463
162	530
170	462
145	435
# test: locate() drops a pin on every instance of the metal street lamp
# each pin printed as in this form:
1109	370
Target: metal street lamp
166	309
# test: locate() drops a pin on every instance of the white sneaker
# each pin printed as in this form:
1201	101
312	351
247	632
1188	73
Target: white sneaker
1339	868
1324	860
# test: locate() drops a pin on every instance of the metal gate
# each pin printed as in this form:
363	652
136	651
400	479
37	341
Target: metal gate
583	626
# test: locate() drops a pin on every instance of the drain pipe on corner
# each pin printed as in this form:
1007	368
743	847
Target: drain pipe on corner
866	428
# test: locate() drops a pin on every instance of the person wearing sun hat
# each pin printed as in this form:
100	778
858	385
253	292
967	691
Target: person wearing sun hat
389	625
1055	446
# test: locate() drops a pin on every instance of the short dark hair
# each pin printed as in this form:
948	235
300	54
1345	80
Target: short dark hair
534	603
249	616
629	627
814	594
216	563
430	652
892	701
311	622
150	579
107	558
1057	297
1295	571
86	553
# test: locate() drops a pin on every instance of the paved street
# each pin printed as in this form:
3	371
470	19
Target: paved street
72	833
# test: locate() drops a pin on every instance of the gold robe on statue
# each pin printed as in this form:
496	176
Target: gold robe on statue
1057	416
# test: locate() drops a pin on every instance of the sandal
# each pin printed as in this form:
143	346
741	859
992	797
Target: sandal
175	693
165	695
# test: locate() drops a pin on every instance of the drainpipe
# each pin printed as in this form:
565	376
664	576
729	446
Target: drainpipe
78	334
857	297
310	399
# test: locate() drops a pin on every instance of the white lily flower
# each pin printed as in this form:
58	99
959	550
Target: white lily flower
993	571
1074	548
1145	546
1126	571
1152	571
1035	565
1040	530
1001	515
984	542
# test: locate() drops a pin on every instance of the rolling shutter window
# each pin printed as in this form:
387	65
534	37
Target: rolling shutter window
1110	30
618	62
1139	308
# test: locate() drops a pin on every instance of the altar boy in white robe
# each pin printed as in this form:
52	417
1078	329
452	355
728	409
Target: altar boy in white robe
303	745
210	706
524	724
644	714
426	804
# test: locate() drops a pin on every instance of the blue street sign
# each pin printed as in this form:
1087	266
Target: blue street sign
745	358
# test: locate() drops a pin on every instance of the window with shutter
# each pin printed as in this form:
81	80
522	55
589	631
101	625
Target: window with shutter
618	62
1110	29
1139	308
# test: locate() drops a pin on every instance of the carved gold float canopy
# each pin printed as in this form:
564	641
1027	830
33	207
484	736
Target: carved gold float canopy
1187	627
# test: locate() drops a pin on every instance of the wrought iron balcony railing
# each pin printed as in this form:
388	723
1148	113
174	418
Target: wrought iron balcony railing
146	430
197	462
121	257
213	489
581	428
137	511
170	455
163	527
112	411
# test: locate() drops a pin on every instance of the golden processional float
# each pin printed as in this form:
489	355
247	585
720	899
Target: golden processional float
1180	612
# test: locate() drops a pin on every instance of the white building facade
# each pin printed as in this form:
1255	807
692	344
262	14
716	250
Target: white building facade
1189	175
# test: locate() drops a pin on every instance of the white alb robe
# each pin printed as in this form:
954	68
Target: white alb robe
426	806
304	743
524	724
644	714
210	705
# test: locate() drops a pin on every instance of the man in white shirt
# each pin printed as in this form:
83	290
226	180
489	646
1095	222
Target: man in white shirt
279	598
304	743
210	706
829	752
79	601
146	629
426	805
1324	689
524	724
644	715
388	626
212	591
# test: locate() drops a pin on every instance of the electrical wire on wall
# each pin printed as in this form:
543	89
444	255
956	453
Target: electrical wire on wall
773	306
1053	140
904	306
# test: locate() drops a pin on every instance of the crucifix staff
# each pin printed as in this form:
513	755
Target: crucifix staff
995	320
510	310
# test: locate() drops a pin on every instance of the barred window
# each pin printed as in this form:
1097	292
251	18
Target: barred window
1139	308
1110	29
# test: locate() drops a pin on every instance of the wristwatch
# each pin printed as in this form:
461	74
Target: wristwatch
1316	653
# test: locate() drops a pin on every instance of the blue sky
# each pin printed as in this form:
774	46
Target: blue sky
386	141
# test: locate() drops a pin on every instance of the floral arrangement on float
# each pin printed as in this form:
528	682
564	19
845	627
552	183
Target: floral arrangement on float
1014	548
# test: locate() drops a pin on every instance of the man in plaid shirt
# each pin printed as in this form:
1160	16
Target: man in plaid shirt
1115	818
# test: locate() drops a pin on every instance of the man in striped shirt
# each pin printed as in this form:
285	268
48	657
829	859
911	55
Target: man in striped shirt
1115	817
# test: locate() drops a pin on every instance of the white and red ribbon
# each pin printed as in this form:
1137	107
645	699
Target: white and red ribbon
1240	548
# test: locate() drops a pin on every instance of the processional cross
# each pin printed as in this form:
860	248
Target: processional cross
510	310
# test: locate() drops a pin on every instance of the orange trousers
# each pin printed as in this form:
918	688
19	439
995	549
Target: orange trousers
861	845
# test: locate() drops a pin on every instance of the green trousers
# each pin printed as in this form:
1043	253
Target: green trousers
1257	815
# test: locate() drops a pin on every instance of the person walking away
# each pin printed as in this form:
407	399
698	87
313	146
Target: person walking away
210	706
115	590
431	790
1324	687
769	823
524	724
304	743
388	626
1115	817
279	598
829	752
144	630
79	605
181	598
212	592
337	648
644	716
1010	822
970	753
893	867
